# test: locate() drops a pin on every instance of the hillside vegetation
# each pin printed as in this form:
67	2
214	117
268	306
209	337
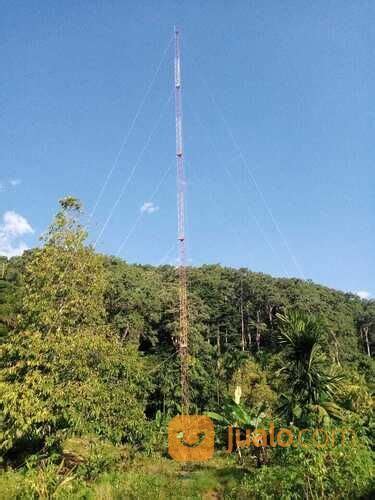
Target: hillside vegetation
89	377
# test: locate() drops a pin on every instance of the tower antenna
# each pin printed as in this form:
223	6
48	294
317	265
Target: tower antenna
184	325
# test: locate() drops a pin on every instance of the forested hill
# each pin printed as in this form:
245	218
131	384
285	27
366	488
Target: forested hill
217	295
232	312
89	359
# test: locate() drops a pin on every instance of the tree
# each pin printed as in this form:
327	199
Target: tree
64	370
366	325
10	280
65	281
254	387
312	389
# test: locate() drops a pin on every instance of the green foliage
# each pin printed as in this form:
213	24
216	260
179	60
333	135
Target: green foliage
312	388
254	387
151	478
64	280
89	456
237	415
10	291
37	483
89	348
337	473
68	372
90	384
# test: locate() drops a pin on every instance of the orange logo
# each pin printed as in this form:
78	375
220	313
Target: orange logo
191	438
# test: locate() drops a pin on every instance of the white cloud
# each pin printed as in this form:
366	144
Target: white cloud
15	224
11	182
15	182
362	294
13	227
149	208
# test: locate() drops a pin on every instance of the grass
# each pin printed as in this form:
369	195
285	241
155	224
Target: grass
166	479
145	478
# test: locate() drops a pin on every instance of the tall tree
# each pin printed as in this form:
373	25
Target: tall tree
64	280
312	388
63	369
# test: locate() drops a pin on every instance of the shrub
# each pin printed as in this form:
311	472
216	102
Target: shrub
344	471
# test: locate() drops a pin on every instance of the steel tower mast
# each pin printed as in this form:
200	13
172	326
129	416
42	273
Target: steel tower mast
184	325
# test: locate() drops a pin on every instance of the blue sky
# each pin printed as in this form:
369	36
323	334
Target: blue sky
278	122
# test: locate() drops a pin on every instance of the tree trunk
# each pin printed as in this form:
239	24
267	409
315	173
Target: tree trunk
365	331
242	330
258	331
242	321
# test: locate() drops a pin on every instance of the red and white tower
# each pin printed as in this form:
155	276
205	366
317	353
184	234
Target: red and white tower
184	324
